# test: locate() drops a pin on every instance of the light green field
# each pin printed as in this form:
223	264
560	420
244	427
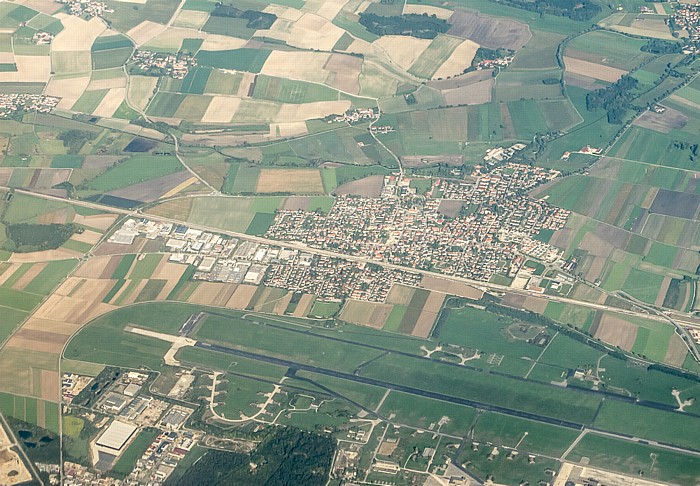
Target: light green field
71	62
290	91
89	101
136	169
632	458
430	60
513	85
539	52
670	427
532	437
609	48
223	83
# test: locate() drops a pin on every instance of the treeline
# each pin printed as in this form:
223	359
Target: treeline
615	99
658	46
256	20
423	26
690	147
286	456
26	237
574	9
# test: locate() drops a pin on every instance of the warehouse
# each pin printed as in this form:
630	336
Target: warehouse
116	435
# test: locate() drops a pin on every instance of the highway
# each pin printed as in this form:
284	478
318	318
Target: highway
486	286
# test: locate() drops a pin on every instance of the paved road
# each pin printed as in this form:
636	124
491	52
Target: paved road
433	395
302	247
384	384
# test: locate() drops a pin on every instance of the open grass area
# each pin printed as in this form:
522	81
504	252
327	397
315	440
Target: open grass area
428	413
529	436
632	458
284	343
242	396
547	400
476	329
653	424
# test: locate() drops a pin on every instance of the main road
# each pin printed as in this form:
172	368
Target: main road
486	286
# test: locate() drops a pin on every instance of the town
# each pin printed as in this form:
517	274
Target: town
14	103
469	233
162	64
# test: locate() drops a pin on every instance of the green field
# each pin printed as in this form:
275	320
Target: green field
223	83
632	458
532	437
196	81
260	223
476	329
515	85
251	60
90	100
145	267
241	397
127	461
138	168
668	427
290	91
427	413
165	104
527	118
609	48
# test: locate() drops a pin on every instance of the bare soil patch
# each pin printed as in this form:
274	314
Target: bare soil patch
369	187
344	72
475	94
676	353
59	216
488	31
424	324
44	256
580	81
221	109
616	331
100	162
450	208
462	80
50	387
596	245
678	204
400	294
460	59
109	269
296	203
662	122
304	305
242	296
451	288
402	50
290	180
593	70
434	302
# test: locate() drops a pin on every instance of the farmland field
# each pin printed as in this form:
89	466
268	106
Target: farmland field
424	225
